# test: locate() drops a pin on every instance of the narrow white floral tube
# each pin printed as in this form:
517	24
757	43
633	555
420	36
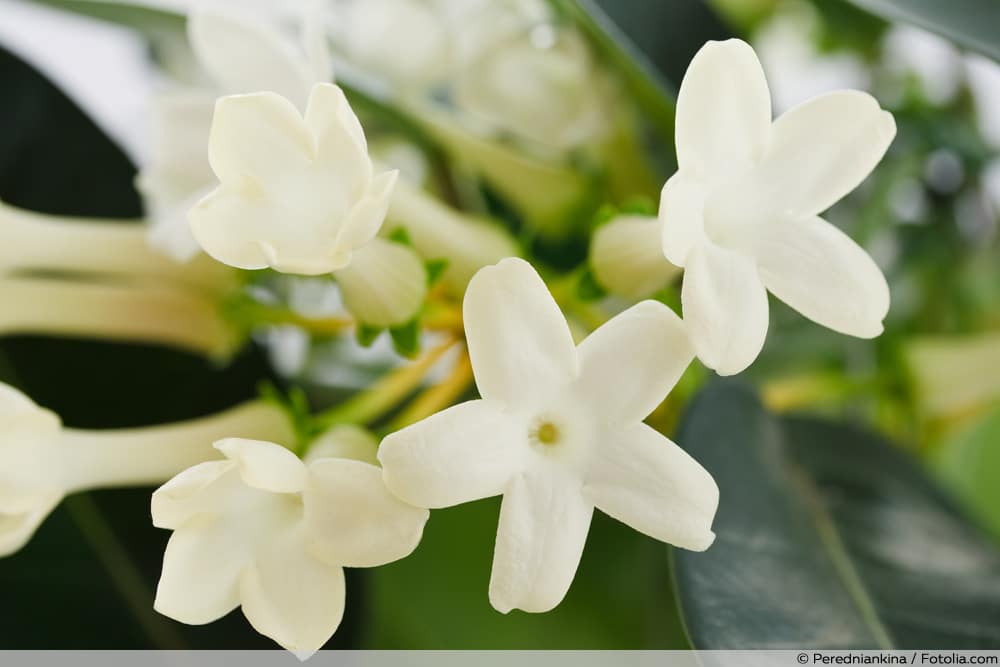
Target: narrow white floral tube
134	313
30	240
41	461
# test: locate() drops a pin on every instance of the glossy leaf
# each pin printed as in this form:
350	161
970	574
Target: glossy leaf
828	537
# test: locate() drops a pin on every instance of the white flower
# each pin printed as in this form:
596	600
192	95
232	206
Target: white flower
741	215
267	532
627	259
299	194
41	461
558	432
240	53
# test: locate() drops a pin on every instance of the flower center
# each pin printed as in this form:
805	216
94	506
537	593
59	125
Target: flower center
547	433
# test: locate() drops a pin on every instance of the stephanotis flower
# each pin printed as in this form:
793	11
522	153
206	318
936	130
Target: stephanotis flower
270	533
237	51
741	215
299	194
41	461
558	431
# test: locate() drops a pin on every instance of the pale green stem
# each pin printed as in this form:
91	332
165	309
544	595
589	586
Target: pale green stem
35	241
153	454
135	313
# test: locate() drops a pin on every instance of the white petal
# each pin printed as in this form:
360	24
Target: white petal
630	364
201	570
15	402
340	138
246	55
641	478
353	520
466	452
265	465
723	110
819	152
290	596
384	285
544	521
521	347
367	216
345	441
192	491
17	527
626	256
682	208
819	271
725	308
257	140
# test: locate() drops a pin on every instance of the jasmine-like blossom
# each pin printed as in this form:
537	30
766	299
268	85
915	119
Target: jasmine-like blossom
299	194
267	532
741	215
627	259
41	461
558	431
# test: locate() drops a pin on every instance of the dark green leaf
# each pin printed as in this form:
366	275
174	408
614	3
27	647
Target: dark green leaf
828	537
973	24
969	465
406	338
366	335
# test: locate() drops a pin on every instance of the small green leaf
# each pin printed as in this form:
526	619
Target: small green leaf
401	236
435	269
406	338
366	335
588	289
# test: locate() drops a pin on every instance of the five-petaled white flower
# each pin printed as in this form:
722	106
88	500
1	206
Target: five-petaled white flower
271	533
299	194
741	215
558	431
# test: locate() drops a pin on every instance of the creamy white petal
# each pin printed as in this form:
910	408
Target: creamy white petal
340	138
723	110
245	55
466	452
626	256
682	210
384	284
18	526
725	308
544	521
190	492
819	271
630	364
345	441
290	596
257	139
641	478
520	344
201	570
353	520
367	216
265	465
820	151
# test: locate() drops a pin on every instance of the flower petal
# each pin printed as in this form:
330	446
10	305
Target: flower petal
725	308
519	341
819	271
630	364
682	210
353	520
229	228
544	521
192	491
257	139
367	216
291	597
265	465
201	570
345	441
466	452
641	478
626	256
18	526
723	110
340	139
819	151
384	285
246	55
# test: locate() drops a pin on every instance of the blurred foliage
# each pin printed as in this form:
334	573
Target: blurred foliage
968	463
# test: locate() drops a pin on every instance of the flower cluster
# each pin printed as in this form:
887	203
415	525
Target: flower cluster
268	518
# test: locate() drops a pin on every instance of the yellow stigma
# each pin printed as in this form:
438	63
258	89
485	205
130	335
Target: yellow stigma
548	433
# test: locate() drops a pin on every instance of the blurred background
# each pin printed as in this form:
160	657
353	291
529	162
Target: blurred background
537	101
